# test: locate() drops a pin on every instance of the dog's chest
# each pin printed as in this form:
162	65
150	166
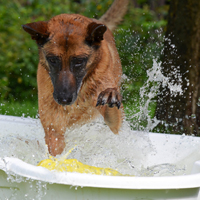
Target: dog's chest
79	114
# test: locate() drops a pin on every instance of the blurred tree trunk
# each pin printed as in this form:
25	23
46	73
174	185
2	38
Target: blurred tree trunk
181	64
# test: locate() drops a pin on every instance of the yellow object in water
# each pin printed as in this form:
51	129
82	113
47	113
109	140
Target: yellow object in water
73	165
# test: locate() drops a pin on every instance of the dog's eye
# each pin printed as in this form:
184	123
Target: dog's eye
53	60
78	62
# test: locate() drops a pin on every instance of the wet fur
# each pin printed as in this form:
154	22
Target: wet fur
66	34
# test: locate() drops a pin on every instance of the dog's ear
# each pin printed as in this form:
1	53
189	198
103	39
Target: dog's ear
95	32
38	31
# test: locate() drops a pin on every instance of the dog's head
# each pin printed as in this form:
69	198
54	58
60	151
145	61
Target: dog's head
68	48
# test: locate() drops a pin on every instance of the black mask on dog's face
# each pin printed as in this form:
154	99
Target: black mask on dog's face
66	81
66	53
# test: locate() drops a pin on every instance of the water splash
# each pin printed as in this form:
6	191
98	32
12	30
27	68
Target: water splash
96	145
148	93
34	190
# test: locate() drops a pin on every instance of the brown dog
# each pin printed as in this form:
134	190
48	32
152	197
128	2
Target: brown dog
79	72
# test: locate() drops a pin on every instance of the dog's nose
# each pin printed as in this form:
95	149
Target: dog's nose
63	99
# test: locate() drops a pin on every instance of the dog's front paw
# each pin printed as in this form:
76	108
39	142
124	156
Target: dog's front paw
55	143
111	97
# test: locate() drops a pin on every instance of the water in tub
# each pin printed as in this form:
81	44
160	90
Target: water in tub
95	145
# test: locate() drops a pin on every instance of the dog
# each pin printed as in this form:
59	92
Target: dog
79	72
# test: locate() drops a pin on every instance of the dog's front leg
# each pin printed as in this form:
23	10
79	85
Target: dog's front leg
54	140
54	132
109	103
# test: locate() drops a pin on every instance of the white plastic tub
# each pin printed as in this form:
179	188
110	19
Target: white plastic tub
40	183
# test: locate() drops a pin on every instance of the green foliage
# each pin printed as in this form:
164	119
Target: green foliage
25	109
138	40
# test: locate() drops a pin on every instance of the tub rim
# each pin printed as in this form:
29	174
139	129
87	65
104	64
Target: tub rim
19	167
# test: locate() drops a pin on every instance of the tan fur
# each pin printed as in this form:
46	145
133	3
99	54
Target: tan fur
115	14
67	33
